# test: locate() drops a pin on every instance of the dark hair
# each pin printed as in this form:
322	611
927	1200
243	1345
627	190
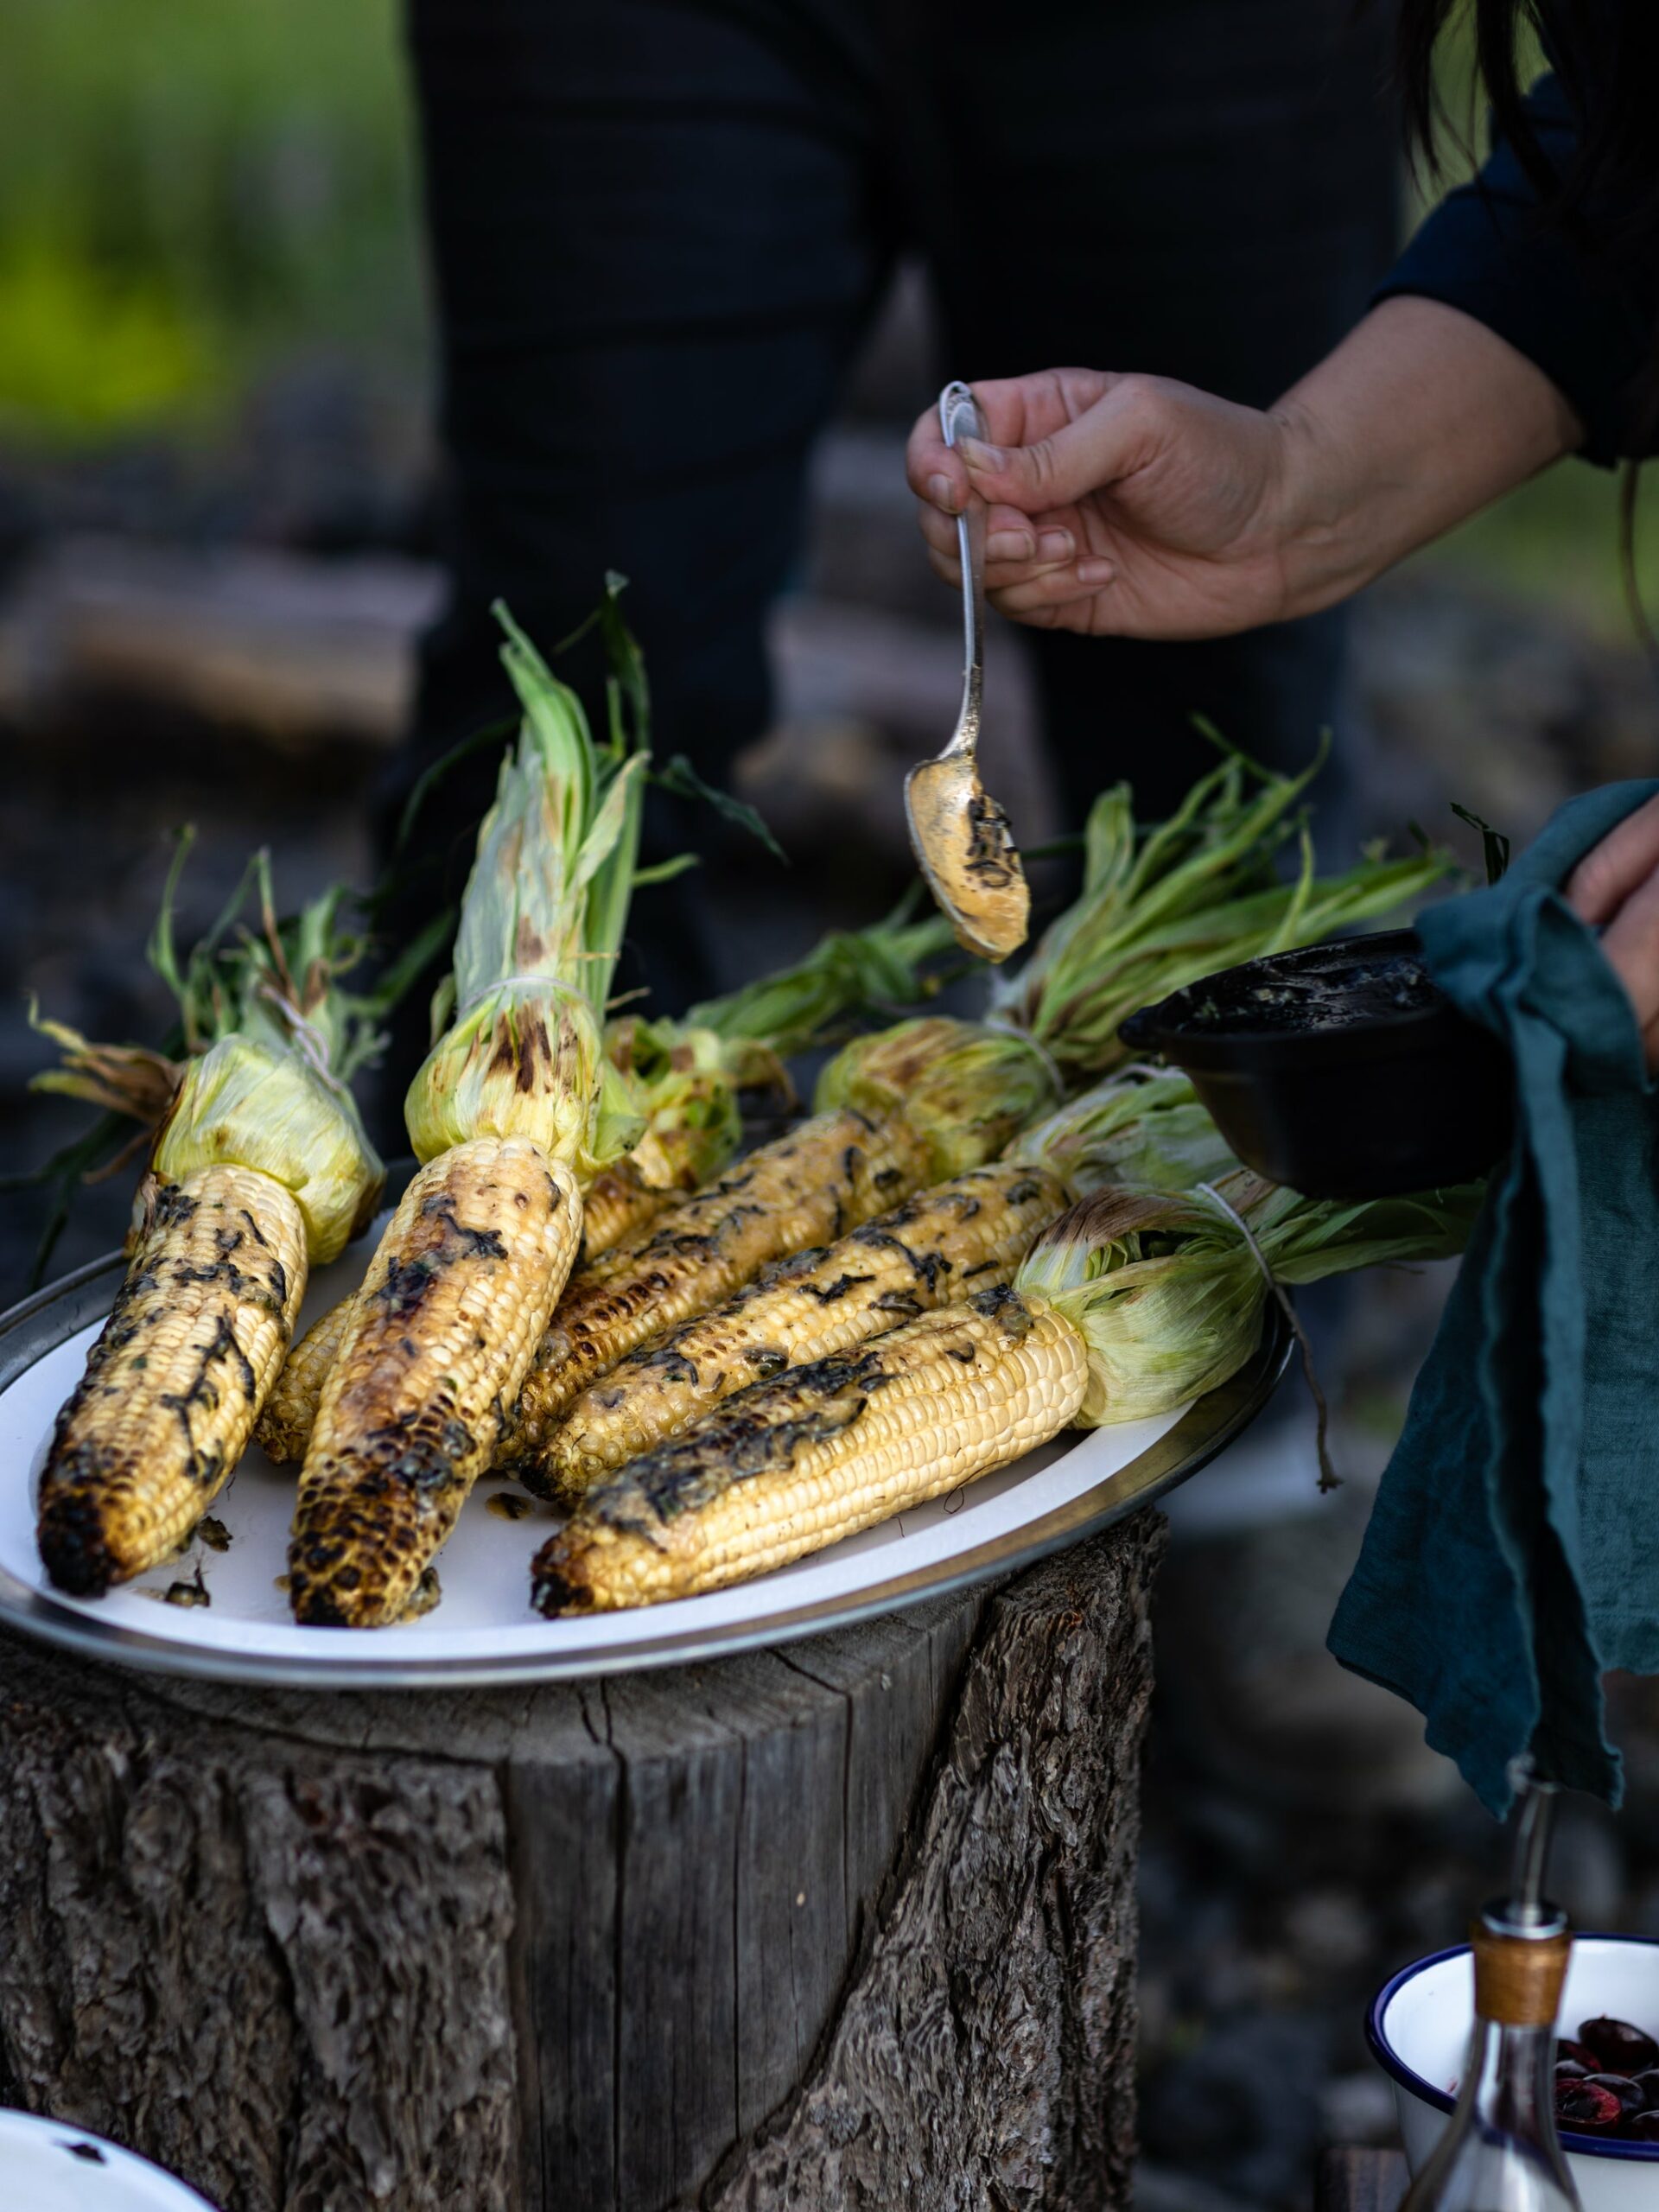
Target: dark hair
1605	55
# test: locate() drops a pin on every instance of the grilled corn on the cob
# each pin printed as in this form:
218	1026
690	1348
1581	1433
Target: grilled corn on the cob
826	1449
160	1419
827	1176
615	1208
461	1288
959	1237
1131	1304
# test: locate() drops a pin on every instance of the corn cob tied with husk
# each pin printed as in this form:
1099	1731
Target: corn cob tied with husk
900	1110
259	1169
1129	1307
685	1077
959	1237
516	1104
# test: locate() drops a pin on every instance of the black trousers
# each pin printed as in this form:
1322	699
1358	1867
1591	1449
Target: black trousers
659	228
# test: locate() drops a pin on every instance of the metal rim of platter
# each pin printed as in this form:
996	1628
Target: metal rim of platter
42	1323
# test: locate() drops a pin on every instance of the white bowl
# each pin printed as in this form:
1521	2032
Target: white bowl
51	2166
1418	2028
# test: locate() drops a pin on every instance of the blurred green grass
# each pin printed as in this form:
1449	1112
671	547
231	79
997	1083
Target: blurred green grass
192	192
189	190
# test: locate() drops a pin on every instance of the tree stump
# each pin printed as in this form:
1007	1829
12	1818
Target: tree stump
847	1924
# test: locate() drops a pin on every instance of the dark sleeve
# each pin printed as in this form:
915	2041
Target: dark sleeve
1590	329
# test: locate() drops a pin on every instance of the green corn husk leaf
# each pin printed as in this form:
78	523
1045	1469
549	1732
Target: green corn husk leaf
1163	906
528	1059
268	1106
541	926
274	989
881	969
682	1080
1142	1128
966	1089
1167	1289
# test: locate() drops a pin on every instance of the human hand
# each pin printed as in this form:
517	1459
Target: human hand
1615	889
1117	504
1134	507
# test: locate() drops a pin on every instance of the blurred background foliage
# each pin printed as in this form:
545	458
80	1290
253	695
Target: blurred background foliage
189	193
193	194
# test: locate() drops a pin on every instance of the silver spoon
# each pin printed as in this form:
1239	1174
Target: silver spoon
959	834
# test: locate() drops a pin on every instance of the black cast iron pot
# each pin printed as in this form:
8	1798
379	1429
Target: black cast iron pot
1339	1069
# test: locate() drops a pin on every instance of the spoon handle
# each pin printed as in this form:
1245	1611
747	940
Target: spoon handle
959	418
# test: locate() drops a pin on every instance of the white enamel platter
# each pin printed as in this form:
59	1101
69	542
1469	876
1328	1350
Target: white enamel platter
484	1631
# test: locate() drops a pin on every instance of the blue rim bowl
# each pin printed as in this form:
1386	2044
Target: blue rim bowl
1586	2146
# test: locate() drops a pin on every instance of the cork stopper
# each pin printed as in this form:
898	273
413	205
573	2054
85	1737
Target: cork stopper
1520	1966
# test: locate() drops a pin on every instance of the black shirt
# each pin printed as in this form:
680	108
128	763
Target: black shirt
1589	327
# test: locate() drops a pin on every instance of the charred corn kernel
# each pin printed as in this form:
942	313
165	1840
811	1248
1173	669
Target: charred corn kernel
447	1322
938	1247
617	1205
177	1380
824	1177
283	1429
790	1466
616	1209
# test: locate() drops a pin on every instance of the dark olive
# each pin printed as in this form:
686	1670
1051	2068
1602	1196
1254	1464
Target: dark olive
1568	2070
1647	2083
1641	2126
1620	2046
1580	2054
1587	2108
1630	2098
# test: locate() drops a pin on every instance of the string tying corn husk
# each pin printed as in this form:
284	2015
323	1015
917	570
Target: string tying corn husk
1167	1290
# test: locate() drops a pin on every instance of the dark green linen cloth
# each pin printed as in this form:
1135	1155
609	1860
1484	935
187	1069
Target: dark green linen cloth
1513	1552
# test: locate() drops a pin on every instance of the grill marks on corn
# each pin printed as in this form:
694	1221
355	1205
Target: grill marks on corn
617	1209
961	1236
833	1172
433	1352
176	1381
827	1449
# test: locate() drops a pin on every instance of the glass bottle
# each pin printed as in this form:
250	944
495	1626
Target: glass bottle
1500	2151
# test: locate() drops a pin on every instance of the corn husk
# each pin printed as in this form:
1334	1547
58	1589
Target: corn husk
258	1105
1162	906
685	1075
1142	1128
683	1083
880	970
1167	1288
966	1089
269	1033
541	928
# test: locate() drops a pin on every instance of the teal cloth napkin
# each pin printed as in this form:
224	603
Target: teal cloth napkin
1513	1553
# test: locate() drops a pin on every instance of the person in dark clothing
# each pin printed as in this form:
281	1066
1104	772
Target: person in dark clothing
659	229
1519	327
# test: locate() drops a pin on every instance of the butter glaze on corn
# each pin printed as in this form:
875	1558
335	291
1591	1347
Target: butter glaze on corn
438	1341
616	1210
961	1237
828	1176
827	1449
176	1379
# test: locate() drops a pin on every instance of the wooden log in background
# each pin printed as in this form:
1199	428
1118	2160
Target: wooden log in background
850	1924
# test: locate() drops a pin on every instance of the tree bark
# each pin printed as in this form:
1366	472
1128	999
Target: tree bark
846	1924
